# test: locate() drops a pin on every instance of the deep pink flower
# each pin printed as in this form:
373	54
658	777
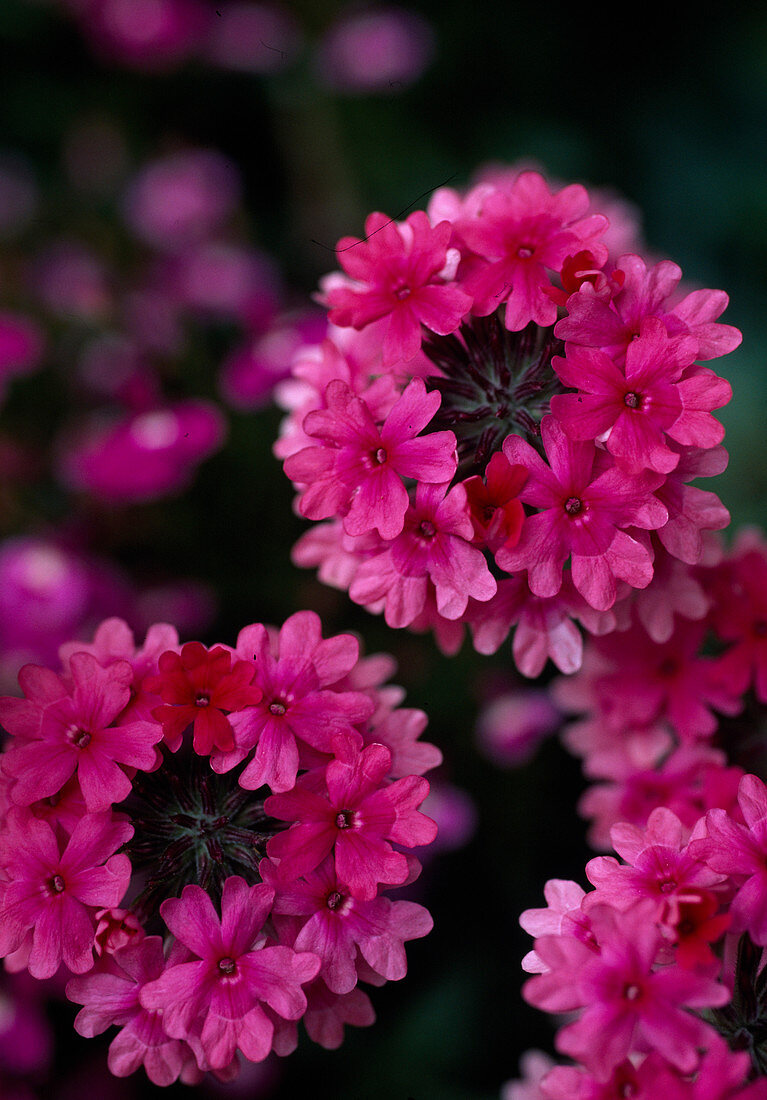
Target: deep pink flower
638	405
21	347
524	231
112	997
658	865
692	510
333	924
740	618
68	729
398	273
218	996
627	1002
196	687
496	512
298	714
612	325
327	1013
357	818
357	472
145	456
740	851
584	513
434	546
54	894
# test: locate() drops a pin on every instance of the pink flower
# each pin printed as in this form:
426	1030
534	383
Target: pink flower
398	273
659	865
496	511
298	713
380	51
523	232
637	406
740	851
218	995
627	1002
583	515
357	818
112	997
645	293
53	894
333	924
21	347
196	687
145	456
434	546
358	470
66	730
181	198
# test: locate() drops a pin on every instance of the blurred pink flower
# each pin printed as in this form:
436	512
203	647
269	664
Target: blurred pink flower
512	726
379	50
180	199
144	34
253	38
143	457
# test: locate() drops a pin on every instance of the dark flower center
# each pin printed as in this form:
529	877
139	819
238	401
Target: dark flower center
380	456
227	966
277	708
632	400
631	992
573	506
494	383
334	900
193	826
427	529
78	737
57	885
202	700
344	819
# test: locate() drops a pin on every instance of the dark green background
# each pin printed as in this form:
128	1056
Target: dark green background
669	112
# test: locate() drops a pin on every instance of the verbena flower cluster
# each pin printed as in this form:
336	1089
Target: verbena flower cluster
669	709
662	962
206	838
501	426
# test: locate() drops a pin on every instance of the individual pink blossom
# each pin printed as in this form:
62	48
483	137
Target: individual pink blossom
637	406
62	730
690	781
563	915
496	511
197	686
357	818
658	865
112	997
53	894
740	618
433	547
143	457
522	232
380	50
647	292
297	712
358	468
327	1013
252	371
626	1001
218	995
113	641
673	591
333	924
512	725
584	515
739	851
545	626
534	1065
397	272
181	198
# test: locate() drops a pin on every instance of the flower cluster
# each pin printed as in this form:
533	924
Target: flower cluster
500	427
205	837
670	705
662	961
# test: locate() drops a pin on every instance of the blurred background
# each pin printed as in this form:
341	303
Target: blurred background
174	175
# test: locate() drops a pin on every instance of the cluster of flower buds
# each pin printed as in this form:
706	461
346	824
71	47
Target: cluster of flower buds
662	962
205	837
500	427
